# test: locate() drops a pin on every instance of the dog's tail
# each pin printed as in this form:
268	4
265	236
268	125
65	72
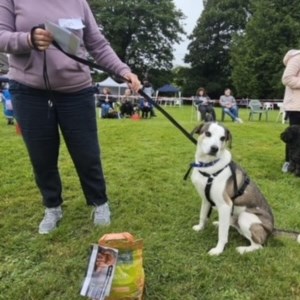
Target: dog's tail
295	235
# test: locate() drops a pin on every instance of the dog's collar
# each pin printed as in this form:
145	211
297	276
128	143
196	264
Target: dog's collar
199	165
204	164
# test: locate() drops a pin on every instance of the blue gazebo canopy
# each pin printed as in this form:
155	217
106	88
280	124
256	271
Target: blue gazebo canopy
168	88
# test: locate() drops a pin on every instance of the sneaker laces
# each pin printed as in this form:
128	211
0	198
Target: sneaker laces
51	215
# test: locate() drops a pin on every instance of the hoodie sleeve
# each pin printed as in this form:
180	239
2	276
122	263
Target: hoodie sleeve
11	41
100	48
291	74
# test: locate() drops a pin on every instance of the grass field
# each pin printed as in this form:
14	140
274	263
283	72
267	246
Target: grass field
144	163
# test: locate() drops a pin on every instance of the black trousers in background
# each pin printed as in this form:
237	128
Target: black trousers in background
40	120
294	119
206	109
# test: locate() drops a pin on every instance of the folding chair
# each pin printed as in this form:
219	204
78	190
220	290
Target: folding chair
256	108
281	113
195	109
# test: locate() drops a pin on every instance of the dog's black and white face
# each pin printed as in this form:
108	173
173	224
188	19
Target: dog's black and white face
212	140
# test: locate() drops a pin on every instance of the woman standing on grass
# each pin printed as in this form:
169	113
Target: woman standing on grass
65	102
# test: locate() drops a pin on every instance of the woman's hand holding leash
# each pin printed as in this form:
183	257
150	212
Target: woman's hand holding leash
40	39
133	81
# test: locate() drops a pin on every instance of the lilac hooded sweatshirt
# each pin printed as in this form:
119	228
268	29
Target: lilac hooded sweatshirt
17	17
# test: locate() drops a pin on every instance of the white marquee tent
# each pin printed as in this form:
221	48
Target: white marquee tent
116	88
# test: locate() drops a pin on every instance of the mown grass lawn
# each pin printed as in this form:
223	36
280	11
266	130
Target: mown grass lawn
144	163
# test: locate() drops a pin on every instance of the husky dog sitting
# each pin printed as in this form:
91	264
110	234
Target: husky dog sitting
224	185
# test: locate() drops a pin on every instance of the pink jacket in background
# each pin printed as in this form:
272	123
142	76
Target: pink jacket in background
291	80
17	17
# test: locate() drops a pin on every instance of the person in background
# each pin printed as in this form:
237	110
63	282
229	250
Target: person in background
146	108
7	105
149	91
205	105
228	103
126	107
106	101
291	100
147	88
64	101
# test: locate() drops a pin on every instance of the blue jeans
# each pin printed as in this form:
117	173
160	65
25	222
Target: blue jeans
232	112
40	120
105	108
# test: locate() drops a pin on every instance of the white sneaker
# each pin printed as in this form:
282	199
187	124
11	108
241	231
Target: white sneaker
50	220
285	167
102	215
239	120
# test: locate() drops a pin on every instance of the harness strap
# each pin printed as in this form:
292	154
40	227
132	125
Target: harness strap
232	167
242	189
207	195
237	191
208	187
209	183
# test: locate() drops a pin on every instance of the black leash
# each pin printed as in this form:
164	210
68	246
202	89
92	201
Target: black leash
141	92
101	68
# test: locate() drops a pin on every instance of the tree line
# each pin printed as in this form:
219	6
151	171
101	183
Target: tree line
236	43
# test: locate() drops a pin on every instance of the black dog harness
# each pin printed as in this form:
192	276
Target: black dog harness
237	191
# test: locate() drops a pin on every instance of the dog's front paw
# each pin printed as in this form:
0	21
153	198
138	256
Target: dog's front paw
198	227
215	251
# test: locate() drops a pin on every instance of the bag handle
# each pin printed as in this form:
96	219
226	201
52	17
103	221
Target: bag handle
117	236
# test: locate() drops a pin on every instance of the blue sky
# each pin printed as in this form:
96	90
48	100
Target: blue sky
192	9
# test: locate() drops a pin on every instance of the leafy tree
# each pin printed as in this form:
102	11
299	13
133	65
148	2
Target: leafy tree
257	53
142	32
211	39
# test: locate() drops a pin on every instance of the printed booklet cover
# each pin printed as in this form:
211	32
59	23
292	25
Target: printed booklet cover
100	272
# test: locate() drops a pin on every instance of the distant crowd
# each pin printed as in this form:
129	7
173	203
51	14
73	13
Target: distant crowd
126	105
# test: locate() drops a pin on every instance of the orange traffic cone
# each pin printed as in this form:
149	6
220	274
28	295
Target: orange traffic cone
18	129
135	117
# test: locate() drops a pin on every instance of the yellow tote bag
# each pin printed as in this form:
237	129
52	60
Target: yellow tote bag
129	277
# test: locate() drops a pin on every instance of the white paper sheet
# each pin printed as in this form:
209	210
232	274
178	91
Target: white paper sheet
75	23
68	41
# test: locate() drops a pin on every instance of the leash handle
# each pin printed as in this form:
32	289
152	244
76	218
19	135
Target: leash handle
141	92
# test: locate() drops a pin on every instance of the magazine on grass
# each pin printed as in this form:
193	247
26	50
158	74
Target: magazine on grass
100	272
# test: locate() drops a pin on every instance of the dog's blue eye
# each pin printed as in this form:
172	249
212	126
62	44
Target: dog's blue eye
207	133
222	138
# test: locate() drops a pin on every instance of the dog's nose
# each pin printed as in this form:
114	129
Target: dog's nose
214	149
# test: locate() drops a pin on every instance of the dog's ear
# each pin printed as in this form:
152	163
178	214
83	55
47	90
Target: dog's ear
228	137
288	135
197	129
